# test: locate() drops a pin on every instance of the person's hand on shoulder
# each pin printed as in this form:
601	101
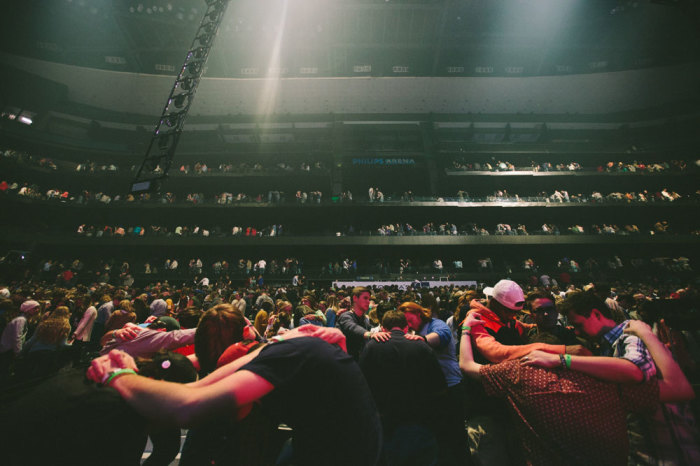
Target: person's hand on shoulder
637	328
128	332
330	335
473	320
381	336
414	337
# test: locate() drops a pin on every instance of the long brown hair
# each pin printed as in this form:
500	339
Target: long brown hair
219	327
425	313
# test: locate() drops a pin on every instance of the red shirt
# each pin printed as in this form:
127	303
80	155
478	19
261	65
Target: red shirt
566	417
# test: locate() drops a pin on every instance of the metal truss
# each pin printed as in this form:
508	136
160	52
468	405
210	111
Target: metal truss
161	149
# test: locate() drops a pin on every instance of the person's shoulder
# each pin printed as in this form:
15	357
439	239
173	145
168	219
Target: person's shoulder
437	324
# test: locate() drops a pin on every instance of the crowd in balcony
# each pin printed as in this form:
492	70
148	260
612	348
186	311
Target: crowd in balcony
494	165
659	227
29	191
196	168
179	231
563	196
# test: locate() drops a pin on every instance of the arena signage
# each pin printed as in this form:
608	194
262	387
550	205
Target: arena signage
382	161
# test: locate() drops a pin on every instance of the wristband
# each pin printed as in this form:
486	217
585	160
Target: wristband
466	327
425	339
568	360
562	361
114	335
277	338
114	374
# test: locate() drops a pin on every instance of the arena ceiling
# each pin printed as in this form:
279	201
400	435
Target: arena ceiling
347	38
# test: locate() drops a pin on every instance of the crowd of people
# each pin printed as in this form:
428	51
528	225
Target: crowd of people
493	165
660	227
196	168
28	190
316	166
264	366
179	231
546	272
504	374
563	196
501	229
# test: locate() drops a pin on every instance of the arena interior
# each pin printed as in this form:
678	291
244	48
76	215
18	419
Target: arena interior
277	156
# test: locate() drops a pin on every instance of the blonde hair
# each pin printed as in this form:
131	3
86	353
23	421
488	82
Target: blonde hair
261	322
55	328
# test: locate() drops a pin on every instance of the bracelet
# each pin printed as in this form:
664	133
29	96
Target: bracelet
466	327
568	361
114	374
466	333
562	361
425	339
114	335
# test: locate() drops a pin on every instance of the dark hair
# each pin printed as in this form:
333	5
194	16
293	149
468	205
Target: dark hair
189	317
358	290
394	319
382	309
583	303
165	365
218	328
538	294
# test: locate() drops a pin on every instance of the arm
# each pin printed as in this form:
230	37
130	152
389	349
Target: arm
348	326
88	316
332	336
440	335
466	357
227	370
608	369
17	328
674	386
173	339
496	352
128	332
178	404
329	335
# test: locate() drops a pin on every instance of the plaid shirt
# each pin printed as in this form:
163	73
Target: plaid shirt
617	344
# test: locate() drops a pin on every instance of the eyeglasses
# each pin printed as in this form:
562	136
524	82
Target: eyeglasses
544	309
